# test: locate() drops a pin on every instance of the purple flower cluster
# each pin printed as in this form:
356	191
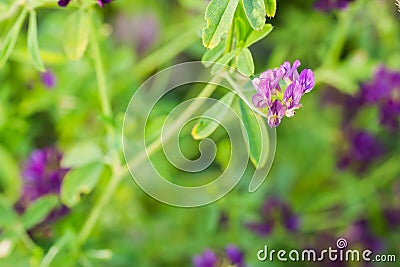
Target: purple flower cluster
101	3
363	149
329	5
233	257
42	175
273	212
279	91
384	91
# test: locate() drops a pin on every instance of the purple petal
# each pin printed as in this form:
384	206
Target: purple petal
275	114
291	71
290	112
268	74
259	101
306	80
256	83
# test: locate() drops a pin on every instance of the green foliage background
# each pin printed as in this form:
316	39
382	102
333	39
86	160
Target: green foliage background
98	63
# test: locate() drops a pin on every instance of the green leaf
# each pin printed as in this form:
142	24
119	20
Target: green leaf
245	63
255	13
76	35
223	61
254	126
270	8
337	78
10	39
219	16
81	154
10	178
33	45
212	55
39	210
241	31
223	153
205	127
242	26
80	181
256	36
7	214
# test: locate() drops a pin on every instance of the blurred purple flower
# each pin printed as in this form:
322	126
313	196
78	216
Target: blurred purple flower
103	2
329	5
392	217
140	31
385	85
361	234
384	91
42	175
48	79
390	114
207	259
364	149
233	256
64	3
269	98
273	212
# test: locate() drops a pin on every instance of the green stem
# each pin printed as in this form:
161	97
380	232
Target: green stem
120	173
100	74
116	164
229	40
28	242
13	9
94	215
195	105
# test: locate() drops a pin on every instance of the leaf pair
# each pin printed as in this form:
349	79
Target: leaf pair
220	13
85	161
244	59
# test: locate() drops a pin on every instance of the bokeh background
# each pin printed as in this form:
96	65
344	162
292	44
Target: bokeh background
336	171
